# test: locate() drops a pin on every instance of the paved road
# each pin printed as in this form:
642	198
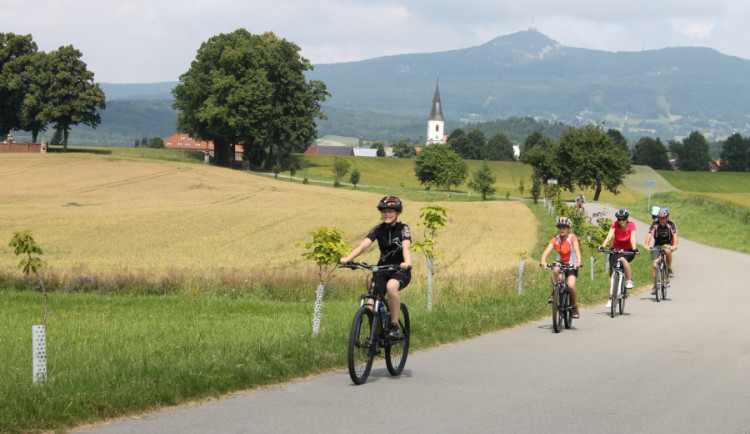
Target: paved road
682	365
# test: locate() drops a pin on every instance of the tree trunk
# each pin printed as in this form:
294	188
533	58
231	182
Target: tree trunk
597	193
65	139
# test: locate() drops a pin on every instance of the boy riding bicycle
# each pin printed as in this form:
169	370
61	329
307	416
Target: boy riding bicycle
394	241
568	252
664	232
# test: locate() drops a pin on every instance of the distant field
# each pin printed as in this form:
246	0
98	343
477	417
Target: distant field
708	182
399	173
112	214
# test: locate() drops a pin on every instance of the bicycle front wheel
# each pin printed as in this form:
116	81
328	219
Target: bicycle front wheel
665	282
397	350
557	309
361	348
614	286
659	283
567	309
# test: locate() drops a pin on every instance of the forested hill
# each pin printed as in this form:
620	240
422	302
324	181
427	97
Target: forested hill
663	93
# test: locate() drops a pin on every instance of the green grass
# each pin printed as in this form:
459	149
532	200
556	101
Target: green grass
708	182
112	355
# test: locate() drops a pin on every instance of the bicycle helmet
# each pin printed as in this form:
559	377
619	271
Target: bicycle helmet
664	212
391	202
563	221
622	213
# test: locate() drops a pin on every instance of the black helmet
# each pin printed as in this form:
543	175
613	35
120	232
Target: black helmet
391	202
622	213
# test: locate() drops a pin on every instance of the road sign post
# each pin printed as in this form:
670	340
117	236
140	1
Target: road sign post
649	184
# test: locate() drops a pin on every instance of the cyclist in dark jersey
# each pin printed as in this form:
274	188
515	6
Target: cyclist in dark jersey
664	232
394	240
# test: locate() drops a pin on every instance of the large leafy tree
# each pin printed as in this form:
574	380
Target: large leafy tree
249	89
735	154
13	48
541	156
404	149
691	153
33	80
71	97
588	157
440	166
651	152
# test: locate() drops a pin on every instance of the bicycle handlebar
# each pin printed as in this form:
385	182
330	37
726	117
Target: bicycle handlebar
619	251
374	268
563	267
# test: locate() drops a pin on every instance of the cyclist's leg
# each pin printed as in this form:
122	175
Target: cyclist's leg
626	268
394	299
571	281
669	258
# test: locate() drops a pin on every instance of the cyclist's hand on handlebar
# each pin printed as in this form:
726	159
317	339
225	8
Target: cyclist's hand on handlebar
344	261
601	248
404	266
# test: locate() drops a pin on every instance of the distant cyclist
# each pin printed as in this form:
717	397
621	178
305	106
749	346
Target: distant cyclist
664	233
394	240
623	232
655	211
568	252
580	200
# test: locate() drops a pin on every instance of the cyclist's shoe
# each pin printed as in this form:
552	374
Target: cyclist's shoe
653	290
671	274
575	312
551	298
395	332
629	284
609	303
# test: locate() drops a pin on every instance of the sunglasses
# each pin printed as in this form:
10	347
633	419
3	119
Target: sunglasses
622	219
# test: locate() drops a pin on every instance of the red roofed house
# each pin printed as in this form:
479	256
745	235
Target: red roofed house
184	141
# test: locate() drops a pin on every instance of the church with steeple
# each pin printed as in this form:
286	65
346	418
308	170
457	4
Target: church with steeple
436	123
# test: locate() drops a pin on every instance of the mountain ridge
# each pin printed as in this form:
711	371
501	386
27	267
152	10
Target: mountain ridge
666	92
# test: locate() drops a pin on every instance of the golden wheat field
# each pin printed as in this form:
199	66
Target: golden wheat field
108	216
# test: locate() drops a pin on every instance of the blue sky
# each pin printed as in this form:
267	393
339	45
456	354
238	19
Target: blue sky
147	41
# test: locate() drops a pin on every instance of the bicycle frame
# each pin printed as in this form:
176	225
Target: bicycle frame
661	273
562	307
617	290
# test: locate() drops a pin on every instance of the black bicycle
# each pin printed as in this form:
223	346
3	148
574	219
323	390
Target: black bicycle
617	290
368	334
661	282
562	305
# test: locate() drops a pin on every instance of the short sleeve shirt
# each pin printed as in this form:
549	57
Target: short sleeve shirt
663	234
390	240
622	237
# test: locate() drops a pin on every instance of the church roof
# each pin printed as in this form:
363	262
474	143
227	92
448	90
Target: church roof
436	114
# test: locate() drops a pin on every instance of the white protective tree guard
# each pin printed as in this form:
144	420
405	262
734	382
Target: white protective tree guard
318	308
520	277
592	268
430	270
39	353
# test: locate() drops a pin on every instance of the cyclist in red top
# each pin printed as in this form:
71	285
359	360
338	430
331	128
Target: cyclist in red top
623	232
394	240
568	252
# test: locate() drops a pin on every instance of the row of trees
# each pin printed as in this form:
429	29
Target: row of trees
153	142
475	146
251	90
38	89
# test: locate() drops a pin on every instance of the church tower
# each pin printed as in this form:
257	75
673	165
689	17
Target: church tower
436	123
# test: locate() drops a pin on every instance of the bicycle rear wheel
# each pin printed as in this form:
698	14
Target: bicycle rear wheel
397	351
557	309
361	348
664	287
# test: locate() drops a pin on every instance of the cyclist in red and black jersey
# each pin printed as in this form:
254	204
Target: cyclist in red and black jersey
394	240
664	232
